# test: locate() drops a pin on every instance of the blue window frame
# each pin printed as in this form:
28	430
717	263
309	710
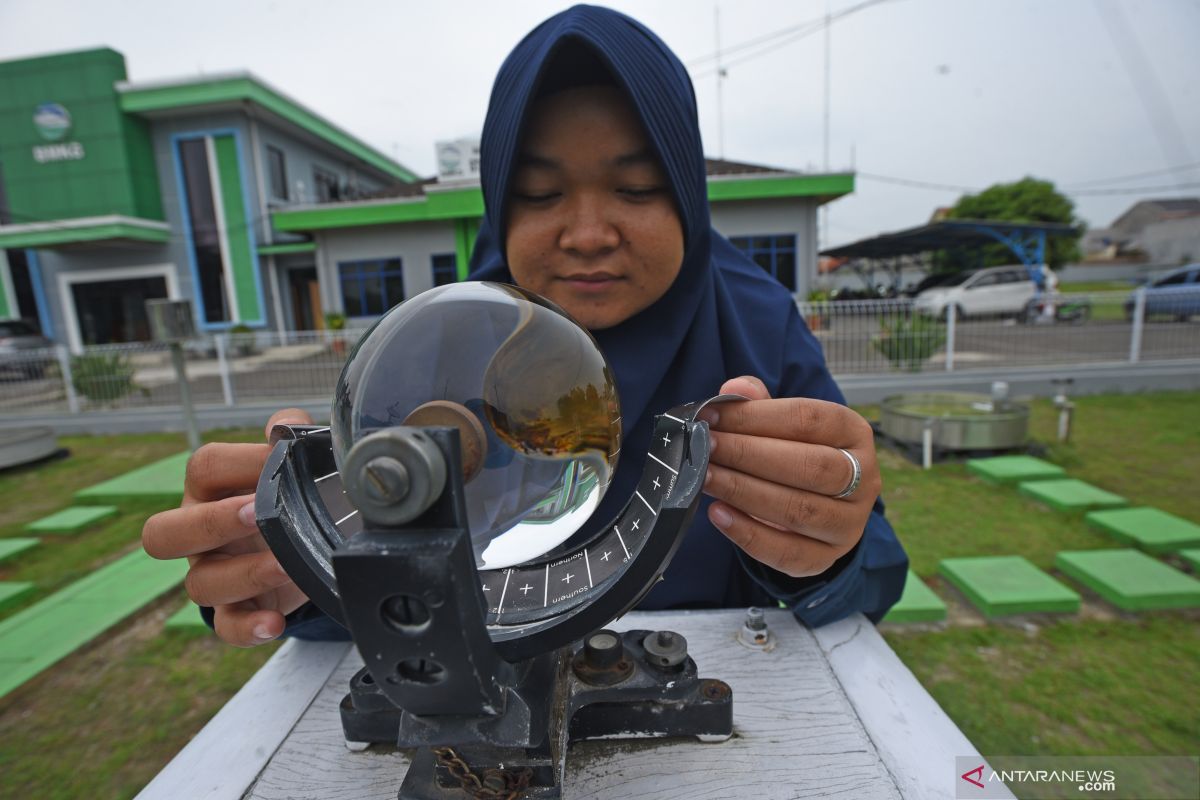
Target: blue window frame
370	288
774	252
445	268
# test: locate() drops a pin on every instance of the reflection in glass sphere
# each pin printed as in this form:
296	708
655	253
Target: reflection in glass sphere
534	380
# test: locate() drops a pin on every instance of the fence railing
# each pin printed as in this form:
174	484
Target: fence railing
872	336
859	337
225	369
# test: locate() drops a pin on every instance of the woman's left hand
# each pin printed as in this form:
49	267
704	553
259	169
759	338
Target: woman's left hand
775	469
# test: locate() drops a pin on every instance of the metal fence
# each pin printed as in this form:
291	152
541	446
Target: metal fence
874	336
225	369
859	337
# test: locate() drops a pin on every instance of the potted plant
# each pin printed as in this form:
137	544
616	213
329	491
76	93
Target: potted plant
818	308
335	321
240	339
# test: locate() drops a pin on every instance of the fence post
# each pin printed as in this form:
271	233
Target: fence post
951	319
64	366
1139	322
223	367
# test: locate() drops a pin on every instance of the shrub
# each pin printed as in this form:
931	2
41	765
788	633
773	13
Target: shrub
909	342
102	378
242	339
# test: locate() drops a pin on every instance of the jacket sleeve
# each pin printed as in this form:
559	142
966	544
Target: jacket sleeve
870	578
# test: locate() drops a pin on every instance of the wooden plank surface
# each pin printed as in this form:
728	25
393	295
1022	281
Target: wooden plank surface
796	735
912	734
228	753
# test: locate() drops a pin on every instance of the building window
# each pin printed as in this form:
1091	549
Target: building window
370	288
445	268
278	171
776	253
325	186
202	220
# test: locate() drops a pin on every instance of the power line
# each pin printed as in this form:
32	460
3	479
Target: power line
1136	175
1134	190
943	187
792	33
950	187
1147	87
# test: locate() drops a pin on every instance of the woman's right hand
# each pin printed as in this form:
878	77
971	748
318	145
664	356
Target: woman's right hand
232	569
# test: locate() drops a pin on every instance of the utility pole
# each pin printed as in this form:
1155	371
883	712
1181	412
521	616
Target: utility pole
720	89
824	241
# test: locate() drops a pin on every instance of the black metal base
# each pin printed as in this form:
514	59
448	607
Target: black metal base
639	689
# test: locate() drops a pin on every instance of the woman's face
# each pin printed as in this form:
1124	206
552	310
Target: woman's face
592	223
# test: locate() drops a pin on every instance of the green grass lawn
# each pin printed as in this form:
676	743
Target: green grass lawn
119	710
1102	682
30	493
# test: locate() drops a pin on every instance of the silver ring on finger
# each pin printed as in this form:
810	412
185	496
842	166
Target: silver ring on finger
855	479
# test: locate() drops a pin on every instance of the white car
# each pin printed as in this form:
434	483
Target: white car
981	292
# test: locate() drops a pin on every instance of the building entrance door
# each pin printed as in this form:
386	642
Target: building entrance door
110	312
305	294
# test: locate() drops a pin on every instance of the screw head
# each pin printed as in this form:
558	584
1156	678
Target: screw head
385	480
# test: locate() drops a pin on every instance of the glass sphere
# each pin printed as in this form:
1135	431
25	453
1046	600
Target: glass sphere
533	379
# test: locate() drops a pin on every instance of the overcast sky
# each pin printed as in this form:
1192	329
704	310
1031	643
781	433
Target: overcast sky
951	92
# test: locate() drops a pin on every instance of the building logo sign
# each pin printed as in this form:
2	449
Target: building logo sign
53	123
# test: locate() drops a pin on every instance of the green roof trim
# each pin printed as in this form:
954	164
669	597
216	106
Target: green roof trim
287	249
91	229
758	187
440	205
468	203
238	88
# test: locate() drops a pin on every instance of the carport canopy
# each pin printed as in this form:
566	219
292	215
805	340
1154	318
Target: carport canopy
1026	240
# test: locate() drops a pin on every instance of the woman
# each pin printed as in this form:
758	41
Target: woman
595	190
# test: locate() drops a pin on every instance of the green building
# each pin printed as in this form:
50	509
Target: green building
221	190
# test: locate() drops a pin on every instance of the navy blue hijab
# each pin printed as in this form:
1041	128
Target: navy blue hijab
723	316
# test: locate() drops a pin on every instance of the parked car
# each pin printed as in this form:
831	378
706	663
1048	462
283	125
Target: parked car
1176	294
980	292
23	349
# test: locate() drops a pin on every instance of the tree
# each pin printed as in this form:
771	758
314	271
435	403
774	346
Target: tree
1026	200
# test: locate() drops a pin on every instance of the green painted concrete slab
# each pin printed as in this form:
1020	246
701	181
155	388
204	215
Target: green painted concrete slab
186	617
917	604
1000	585
1148	528
71	520
35	638
162	480
1192	557
10	548
1070	494
1130	579
12	592
1014	469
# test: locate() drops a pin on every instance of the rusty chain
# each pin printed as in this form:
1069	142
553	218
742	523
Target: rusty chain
495	784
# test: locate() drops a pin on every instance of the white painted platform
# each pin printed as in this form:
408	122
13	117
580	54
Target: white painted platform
831	713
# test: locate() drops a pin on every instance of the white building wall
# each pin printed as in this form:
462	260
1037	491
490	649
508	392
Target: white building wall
784	216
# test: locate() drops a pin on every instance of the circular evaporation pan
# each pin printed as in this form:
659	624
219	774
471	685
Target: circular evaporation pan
962	421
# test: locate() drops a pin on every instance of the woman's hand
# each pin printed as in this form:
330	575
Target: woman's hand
774	471
232	569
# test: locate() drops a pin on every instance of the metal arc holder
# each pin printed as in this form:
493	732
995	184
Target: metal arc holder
490	708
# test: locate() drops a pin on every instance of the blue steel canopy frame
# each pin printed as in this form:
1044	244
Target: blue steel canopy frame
1026	241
